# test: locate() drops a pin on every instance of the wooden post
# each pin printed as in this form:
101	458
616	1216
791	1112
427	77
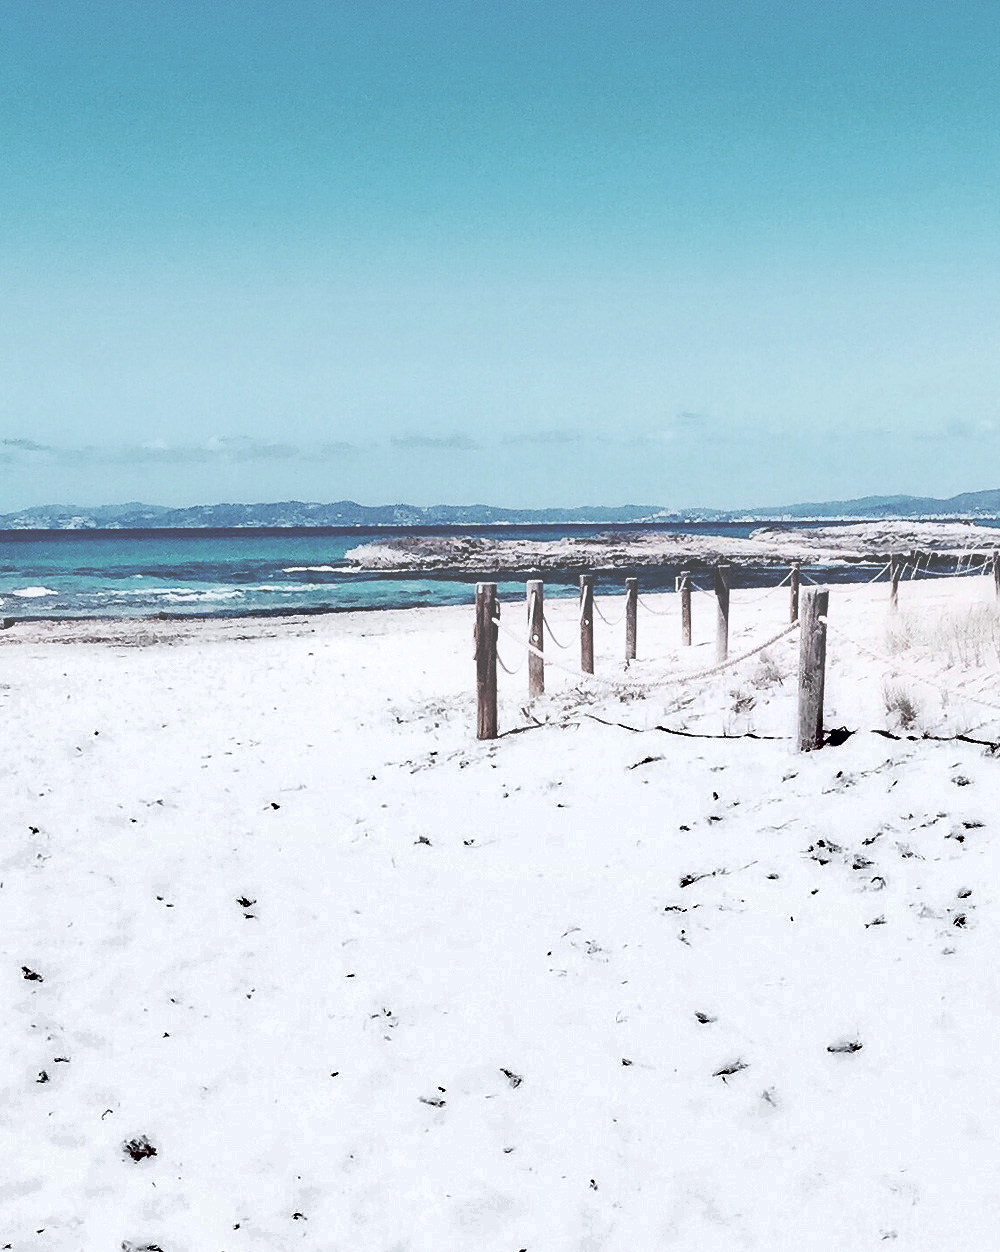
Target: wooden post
794	585
536	664
722	619
812	668
587	623
996	573
631	614
686	607
487	609
895	574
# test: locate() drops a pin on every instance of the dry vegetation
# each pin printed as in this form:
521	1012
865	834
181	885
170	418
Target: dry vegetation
768	673
966	638
901	705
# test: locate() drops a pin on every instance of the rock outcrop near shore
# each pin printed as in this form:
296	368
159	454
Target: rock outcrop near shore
825	545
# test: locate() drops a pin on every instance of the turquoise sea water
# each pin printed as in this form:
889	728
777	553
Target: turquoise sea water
222	573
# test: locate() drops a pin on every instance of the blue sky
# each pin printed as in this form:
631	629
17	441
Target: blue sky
519	253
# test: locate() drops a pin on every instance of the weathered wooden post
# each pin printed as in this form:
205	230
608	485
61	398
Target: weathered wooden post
794	586
536	663
722	618
895	574
995	561
686	607
631	614
487	610
812	668
587	623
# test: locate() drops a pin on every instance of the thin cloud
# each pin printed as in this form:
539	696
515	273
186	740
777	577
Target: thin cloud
544	437
25	445
240	448
439	443
157	452
331	451
963	428
217	450
228	449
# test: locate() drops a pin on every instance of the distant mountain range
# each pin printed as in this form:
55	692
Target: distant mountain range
289	513
294	513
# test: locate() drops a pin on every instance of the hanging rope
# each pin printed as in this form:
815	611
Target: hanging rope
770	590
616	622
882	659
545	623
517	669
957	572
728	664
649	608
653	683
550	661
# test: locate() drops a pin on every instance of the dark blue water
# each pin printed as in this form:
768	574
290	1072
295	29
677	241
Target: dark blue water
224	573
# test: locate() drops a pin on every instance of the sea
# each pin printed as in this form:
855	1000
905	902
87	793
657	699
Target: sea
227	573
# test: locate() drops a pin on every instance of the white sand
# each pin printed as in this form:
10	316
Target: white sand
429	911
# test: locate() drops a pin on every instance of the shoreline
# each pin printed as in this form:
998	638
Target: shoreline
296	620
296	623
250	580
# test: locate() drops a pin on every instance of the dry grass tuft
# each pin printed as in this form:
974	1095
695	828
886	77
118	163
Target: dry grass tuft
767	674
968	638
901	705
743	701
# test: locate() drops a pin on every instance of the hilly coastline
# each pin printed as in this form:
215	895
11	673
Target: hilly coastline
293	513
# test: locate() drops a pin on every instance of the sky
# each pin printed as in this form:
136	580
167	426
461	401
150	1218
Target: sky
527	253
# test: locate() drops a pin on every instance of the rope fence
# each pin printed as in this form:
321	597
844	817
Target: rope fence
617	621
645	684
893	664
771	590
507	670
810	625
957	573
564	646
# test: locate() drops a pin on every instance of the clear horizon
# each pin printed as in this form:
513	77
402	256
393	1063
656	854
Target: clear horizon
761	508
542	255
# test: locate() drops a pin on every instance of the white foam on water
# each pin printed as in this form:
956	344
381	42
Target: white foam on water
179	593
284	588
312	569
200	597
33	593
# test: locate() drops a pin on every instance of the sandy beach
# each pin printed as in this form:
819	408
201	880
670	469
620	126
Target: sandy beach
292	960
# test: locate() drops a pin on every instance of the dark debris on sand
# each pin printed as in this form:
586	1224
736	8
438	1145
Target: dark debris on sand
139	1149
